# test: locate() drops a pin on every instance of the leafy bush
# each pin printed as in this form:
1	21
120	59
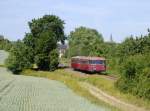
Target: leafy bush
49	62
135	76
42	61
144	84
20	57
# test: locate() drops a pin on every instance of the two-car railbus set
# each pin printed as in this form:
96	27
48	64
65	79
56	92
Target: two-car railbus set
90	64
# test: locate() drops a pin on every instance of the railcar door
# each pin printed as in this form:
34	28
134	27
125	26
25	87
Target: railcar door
97	65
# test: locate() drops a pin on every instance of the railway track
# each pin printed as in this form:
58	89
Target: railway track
86	74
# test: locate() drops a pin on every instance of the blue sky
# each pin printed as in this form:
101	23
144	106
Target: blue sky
120	18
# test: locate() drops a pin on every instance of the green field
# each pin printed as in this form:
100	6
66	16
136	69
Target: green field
24	93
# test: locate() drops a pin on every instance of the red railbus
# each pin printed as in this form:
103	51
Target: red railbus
90	64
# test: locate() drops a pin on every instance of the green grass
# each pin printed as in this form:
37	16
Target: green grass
72	82
2	65
113	73
109	87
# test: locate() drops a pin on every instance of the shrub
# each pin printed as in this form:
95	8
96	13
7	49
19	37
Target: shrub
135	76
42	61
45	62
53	60
144	84
19	58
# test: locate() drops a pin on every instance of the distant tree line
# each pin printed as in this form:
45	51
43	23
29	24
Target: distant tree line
5	44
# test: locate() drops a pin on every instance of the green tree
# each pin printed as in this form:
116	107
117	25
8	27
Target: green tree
45	33
45	43
48	23
84	42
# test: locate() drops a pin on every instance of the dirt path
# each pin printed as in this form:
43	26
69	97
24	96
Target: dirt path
110	99
102	95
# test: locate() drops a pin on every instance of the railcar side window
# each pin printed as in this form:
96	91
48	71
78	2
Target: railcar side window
97	62
73	60
84	61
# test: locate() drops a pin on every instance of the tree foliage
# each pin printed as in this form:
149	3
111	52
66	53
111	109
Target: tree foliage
42	61
19	57
85	41
54	61
135	66
48	23
45	33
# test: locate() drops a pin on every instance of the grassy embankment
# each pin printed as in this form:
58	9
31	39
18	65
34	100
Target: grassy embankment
109	86
72	82
105	84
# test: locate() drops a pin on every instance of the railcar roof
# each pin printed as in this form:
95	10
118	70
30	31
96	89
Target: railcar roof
88	58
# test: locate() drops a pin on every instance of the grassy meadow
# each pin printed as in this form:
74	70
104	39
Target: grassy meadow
73	81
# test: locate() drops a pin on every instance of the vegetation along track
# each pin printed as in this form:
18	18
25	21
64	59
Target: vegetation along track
83	74
110	99
102	95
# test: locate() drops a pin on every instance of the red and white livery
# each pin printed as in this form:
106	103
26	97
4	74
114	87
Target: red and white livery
90	64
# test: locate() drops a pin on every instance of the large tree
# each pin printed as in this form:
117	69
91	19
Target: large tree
38	46
45	33
84	42
48	23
